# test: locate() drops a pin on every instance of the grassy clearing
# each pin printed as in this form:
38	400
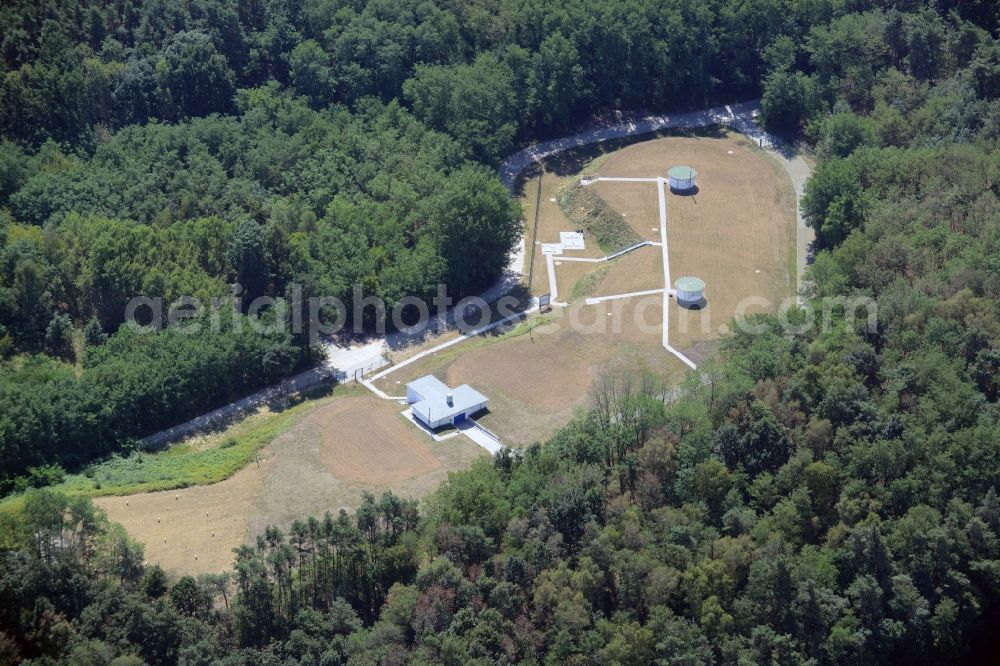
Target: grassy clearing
539	376
437	362
522	328
738	234
589	283
789	199
338	449
586	210
521	296
203	459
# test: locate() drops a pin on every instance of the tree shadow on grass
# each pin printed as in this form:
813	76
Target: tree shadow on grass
573	160
276	399
528	174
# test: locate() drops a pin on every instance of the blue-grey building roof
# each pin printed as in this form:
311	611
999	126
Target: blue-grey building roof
435	407
428	387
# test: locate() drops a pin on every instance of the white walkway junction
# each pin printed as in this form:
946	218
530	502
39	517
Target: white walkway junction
551	268
346	360
661	185
740	116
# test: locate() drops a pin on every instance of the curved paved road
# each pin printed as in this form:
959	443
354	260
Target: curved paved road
343	361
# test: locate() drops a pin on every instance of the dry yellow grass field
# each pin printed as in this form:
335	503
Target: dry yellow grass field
737	233
369	451
191	530
637	201
335	452
640	270
536	381
741	221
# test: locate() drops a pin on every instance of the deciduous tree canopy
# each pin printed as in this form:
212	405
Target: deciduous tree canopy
818	497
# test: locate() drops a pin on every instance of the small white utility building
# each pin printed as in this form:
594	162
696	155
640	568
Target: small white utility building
435	404
682	178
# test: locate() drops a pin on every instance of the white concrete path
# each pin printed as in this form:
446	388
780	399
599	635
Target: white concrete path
600	299
455	341
343	362
661	185
616	179
662	203
550	267
470	429
379	392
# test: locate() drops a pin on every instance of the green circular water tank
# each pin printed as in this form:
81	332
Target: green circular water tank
689	289
690	284
682	173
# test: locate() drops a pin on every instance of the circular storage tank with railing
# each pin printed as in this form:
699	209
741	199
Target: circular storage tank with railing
689	291
682	178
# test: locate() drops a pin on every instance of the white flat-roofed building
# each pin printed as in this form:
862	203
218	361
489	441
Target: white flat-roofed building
435	404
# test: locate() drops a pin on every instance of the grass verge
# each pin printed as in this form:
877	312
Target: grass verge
438	360
199	460
789	198
586	210
588	284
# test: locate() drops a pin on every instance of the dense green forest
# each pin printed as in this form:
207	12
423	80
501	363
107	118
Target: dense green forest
815	498
163	149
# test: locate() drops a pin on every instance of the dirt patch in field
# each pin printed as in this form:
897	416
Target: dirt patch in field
317	470
536	377
343	447
192	530
368	443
